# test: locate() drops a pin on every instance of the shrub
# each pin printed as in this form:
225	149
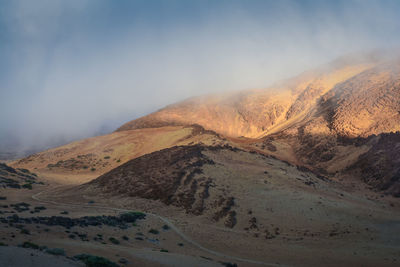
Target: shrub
56	251
164	250
114	240
24	204
93	169
25	232
125	237
3	245
3	198
132	216
31	245
123	261
165	227
95	261
229	264
27	186
154	231
107	157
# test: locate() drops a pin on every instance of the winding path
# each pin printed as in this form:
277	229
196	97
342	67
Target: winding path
166	221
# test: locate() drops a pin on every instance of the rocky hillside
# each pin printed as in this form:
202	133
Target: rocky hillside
254	113
366	104
323	119
174	176
380	166
86	159
226	185
329	120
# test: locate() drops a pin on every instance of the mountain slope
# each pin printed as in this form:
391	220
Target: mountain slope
220	183
86	159
326	120
366	104
253	113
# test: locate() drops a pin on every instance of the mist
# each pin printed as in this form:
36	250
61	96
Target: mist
75	69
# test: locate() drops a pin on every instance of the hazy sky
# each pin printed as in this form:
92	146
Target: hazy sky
71	69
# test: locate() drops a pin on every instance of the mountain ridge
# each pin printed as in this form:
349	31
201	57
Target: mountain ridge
318	119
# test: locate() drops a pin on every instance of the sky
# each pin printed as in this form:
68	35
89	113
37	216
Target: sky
71	69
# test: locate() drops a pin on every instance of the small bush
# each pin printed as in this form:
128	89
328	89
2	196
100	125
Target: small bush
107	157
154	231
125	237
114	240
56	251
31	245
3	198
25	232
24	170
93	169
123	261
95	261
24	204
164	250
132	216
165	227
27	186
229	264
64	212
3	245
